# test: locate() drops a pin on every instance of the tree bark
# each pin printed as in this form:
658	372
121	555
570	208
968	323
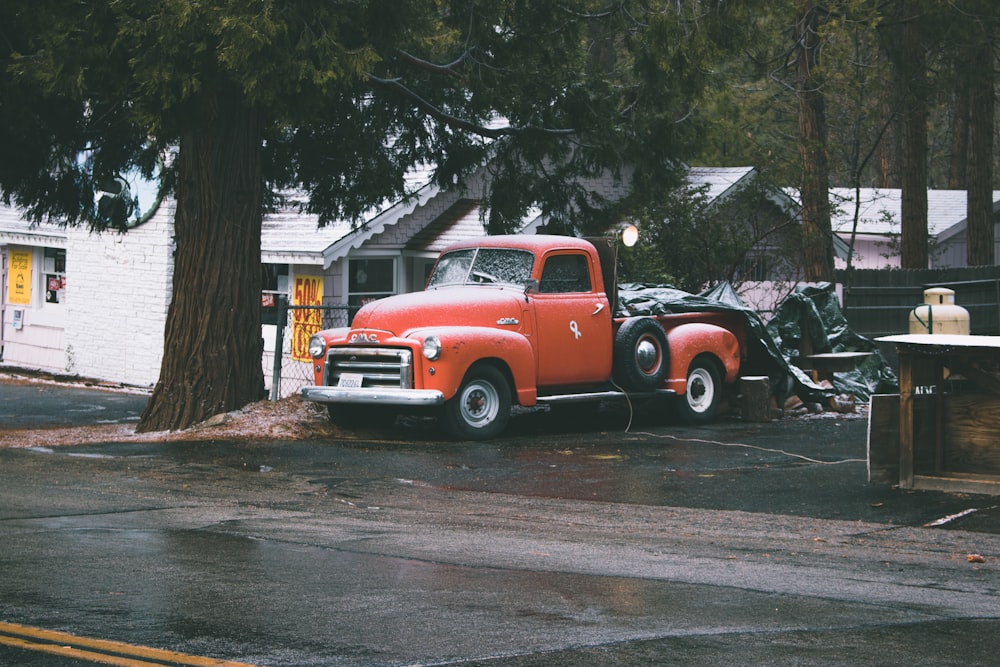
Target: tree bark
889	148
817	231
213	347
910	88
980	233
959	136
913	207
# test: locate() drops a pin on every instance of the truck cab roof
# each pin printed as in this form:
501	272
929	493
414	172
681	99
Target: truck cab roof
533	242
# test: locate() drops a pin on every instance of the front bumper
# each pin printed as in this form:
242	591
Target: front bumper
374	396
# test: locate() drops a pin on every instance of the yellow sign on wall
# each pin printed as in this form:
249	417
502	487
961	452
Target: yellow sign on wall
306	322
19	277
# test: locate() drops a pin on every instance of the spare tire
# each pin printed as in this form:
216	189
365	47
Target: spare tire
641	359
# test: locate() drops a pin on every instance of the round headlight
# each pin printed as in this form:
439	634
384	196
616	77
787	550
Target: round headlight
317	347
432	348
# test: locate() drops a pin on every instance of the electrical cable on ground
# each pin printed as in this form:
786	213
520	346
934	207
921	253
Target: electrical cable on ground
631	414
746	446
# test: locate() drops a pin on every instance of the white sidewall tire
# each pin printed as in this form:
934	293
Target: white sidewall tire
481	408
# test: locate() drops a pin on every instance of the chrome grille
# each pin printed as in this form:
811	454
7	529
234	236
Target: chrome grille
381	367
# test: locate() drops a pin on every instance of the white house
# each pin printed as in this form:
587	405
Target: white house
877	234
87	304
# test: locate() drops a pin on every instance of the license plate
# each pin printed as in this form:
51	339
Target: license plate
350	380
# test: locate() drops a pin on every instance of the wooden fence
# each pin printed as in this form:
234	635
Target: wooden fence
878	302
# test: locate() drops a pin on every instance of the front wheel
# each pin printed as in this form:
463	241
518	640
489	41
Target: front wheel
481	408
701	401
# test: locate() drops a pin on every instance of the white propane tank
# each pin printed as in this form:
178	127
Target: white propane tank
939	314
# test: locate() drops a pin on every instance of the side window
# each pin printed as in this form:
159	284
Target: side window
565	273
54	267
274	278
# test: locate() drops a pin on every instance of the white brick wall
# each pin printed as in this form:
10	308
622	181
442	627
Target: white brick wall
119	288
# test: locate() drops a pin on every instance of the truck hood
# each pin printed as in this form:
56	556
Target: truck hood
446	306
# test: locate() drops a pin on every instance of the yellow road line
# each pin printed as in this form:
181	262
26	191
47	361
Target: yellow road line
105	651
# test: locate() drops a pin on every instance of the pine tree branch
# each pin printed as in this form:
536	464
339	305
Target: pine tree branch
397	86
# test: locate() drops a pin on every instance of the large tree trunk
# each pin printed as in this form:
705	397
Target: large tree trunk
913	207
817	232
889	148
958	162
979	230
213	347
910	93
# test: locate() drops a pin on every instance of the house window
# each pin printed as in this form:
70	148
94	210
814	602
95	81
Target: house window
54	275
422	271
370	279
755	268
274	285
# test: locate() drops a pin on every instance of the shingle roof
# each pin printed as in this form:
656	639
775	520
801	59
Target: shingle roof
461	221
290	237
881	210
718	180
15	230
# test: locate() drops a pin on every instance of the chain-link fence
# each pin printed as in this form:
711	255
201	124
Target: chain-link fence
292	327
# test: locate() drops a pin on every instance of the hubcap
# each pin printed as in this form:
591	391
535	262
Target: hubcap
480	404
700	390
647	356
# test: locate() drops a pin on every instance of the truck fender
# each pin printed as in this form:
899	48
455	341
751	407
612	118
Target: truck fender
688	341
461	347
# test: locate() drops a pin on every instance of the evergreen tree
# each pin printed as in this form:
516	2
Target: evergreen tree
817	233
239	102
975	31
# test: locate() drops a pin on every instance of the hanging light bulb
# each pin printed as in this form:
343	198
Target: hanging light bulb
630	235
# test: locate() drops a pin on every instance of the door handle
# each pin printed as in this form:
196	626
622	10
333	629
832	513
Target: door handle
599	308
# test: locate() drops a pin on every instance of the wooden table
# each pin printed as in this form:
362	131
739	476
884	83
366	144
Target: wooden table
949	412
825	364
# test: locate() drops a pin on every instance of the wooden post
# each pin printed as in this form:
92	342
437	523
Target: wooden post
883	439
755	404
279	347
906	421
939	417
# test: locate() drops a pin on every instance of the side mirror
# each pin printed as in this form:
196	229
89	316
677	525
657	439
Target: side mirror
530	287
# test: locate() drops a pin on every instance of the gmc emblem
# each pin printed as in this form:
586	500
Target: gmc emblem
363	338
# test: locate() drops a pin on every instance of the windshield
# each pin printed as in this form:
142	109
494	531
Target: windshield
483	266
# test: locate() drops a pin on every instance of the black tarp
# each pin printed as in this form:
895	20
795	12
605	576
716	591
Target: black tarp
814	311
772	347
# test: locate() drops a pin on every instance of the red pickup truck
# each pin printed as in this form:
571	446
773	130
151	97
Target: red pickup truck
519	320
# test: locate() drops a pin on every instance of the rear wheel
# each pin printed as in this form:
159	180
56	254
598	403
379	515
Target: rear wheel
701	401
481	408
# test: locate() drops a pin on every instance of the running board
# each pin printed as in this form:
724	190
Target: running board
601	395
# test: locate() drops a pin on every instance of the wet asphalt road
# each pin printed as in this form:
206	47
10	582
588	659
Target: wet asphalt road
33	404
561	544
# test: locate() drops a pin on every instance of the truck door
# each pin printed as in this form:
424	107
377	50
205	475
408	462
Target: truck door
572	322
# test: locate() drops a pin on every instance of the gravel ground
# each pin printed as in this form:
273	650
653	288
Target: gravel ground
288	419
